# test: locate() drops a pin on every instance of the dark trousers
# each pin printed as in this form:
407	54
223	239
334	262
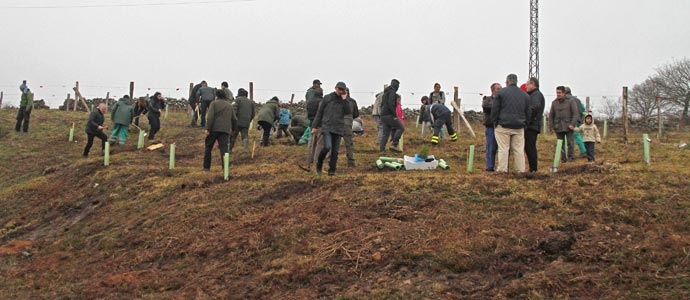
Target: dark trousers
233	137
23	117
589	147
331	143
531	149
283	128
267	132
155	123
567	147
440	122
89	141
211	139
491	148
136	120
390	123
195	115
204	108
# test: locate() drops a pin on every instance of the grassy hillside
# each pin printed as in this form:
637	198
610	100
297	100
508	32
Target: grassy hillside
71	228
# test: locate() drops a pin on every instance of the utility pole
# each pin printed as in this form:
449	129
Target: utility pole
534	39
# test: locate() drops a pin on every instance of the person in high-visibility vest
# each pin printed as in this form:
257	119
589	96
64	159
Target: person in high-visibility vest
440	115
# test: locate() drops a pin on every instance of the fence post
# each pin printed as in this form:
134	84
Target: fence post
625	114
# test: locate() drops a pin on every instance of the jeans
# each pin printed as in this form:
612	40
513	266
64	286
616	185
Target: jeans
23	116
331	143
590	150
491	148
531	149
155	123
390	123
210	141
204	109
89	141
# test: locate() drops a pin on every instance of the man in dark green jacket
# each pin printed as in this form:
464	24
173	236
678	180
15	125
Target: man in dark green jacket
563	118
121	116
24	113
244	109
310	92
267	116
220	122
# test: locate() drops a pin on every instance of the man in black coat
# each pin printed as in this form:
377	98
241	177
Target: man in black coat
534	125
509	113
330	121
389	118
94	128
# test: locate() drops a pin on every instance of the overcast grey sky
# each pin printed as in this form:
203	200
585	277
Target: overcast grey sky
594	46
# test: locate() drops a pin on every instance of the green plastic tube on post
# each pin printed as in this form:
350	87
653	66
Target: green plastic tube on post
226	166
71	134
390	159
557	155
400	142
565	144
379	164
416	124
140	142
606	127
470	160
645	141
172	156
106	154
544	124
443	164
165	116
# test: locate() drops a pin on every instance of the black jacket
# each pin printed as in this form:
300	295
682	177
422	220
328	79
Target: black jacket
313	106
487	102
331	114
96	119
511	108
388	101
537	103
155	107
438	110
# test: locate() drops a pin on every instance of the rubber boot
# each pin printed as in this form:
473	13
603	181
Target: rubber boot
245	145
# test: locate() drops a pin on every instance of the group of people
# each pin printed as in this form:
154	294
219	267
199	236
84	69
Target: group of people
512	120
512	123
122	114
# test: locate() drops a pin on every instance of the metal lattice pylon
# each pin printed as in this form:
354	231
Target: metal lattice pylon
534	39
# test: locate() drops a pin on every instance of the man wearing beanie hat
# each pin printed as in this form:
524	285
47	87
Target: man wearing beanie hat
389	118
268	114
244	109
330	123
310	92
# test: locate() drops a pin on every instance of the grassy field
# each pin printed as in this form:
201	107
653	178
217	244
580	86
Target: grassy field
71	228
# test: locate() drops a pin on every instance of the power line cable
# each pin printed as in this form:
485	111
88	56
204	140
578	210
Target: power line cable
124	4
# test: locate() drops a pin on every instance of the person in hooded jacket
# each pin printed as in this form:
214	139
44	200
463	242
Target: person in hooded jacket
590	135
194	103
440	116
389	118
244	109
121	116
330	121
315	141
581	107
424	120
140	109
155	105
268	114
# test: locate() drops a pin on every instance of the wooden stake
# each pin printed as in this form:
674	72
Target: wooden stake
467	124
625	114
131	90
645	143
67	102
587	101
107	105
253	148
1	96
251	90
292	98
76	98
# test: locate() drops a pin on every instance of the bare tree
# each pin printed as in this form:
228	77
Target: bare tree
673	83
643	102
611	108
